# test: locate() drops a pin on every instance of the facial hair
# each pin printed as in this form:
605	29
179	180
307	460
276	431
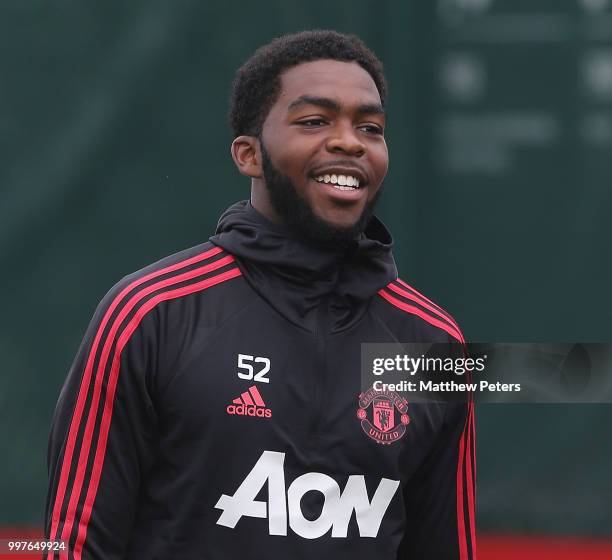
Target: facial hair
296	213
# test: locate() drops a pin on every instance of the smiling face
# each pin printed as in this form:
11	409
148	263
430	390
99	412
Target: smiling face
323	142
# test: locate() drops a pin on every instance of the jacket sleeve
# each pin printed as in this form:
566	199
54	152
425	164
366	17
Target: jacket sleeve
440	499
99	446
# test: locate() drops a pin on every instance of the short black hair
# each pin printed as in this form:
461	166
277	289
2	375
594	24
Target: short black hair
257	83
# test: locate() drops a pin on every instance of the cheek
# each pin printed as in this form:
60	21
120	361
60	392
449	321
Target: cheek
290	151
283	163
380	160
296	159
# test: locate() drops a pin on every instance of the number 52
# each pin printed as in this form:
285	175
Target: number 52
246	369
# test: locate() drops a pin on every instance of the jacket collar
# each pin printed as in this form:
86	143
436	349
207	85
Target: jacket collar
295	277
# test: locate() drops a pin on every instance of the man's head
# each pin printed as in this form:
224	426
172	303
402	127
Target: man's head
307	111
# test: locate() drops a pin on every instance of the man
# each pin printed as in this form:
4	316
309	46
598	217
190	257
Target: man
214	407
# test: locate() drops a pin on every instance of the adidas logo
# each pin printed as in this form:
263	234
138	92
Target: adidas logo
249	403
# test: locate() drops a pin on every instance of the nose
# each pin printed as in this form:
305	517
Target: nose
344	139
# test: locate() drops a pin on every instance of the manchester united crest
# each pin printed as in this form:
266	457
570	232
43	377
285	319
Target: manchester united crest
383	415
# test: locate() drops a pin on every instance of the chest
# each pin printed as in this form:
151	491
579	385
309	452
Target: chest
259	383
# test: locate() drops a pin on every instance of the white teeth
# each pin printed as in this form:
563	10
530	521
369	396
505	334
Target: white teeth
344	182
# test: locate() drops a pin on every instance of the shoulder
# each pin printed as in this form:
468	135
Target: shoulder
191	271
406	303
205	261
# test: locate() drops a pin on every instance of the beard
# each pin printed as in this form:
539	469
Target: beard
297	213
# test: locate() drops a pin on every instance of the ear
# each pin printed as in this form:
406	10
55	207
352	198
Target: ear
247	156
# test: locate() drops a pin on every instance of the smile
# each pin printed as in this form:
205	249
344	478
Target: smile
341	182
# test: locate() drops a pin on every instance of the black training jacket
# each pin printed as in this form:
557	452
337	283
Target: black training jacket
213	412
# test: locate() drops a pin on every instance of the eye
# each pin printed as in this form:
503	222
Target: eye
313	122
372	129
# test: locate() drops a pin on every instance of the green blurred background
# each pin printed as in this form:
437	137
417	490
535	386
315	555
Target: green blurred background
115	152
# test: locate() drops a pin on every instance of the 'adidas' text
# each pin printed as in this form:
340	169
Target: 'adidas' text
243	410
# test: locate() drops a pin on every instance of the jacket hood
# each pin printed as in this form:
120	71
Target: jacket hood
295	276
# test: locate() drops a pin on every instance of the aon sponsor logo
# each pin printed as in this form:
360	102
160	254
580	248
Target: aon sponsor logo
284	504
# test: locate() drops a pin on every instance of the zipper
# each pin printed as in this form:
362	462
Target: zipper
320	373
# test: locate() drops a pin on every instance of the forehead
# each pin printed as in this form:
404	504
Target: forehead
346	82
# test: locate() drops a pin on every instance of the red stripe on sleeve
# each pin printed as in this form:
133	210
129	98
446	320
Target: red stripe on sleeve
470	479
406	285
112	385
461	529
474	441
418	300
422	314
85	383
99	378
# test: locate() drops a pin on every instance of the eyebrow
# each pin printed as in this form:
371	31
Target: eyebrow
327	103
